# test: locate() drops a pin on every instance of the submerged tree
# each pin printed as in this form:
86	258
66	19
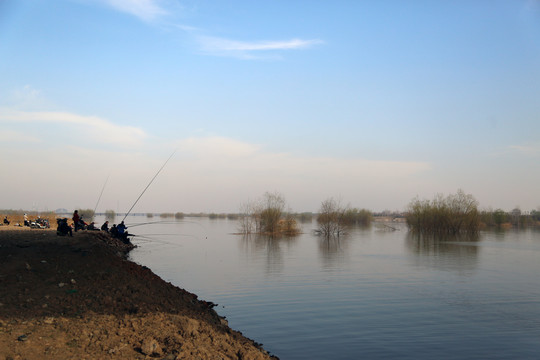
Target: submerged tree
357	217
272	210
86	214
267	216
331	218
110	215
453	214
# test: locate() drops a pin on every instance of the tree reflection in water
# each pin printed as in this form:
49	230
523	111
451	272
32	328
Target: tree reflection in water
445	252
269	246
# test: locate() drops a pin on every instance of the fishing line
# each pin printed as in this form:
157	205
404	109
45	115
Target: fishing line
154	241
147	238
147	186
170	222
153	222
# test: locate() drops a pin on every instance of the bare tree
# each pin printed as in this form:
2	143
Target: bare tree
331	218
266	216
274	204
246	220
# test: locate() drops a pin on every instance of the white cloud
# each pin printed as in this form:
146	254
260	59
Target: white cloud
528	150
26	97
217	173
217	146
219	44
94	127
229	153
146	10
245	49
16	136
155	10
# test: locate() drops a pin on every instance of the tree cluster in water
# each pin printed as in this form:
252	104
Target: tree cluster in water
453	214
334	219
267	216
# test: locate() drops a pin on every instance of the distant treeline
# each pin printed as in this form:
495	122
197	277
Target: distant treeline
455	213
458	213
515	218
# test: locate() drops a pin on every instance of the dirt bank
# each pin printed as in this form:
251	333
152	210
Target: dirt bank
78	298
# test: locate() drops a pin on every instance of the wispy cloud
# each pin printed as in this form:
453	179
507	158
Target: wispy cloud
229	171
247	49
217	146
98	129
146	10
211	152
153	11
17	137
528	149
210	43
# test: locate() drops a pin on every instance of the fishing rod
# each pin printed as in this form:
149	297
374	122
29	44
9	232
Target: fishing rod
152	240
153	222
147	186
169	222
149	238
103	188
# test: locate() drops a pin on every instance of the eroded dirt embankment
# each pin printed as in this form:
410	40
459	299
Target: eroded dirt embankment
78	298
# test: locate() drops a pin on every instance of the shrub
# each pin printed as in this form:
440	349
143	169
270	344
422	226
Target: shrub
110	215
87	215
266	217
331	218
357	217
451	215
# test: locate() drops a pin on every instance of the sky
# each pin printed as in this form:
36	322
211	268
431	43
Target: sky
372	103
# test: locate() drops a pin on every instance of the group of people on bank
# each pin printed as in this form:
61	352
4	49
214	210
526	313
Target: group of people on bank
38	223
118	231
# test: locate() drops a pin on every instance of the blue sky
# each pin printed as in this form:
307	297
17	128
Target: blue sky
370	102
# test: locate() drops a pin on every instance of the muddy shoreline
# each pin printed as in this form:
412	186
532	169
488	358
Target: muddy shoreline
78	297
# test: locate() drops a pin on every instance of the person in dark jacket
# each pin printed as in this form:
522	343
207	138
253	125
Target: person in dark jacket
63	228
114	230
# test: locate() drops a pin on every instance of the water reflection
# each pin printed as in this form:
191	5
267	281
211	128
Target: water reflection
270	247
332	249
445	252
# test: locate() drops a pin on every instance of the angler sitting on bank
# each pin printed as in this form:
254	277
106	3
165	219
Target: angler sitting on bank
92	226
105	226
63	228
114	231
6	221
122	232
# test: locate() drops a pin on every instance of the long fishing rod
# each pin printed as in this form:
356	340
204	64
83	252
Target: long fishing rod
147	186
103	188
168	222
153	222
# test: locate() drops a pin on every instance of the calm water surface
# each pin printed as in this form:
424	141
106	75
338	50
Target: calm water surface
374	294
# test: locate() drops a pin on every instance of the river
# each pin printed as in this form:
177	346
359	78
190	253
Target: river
373	294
